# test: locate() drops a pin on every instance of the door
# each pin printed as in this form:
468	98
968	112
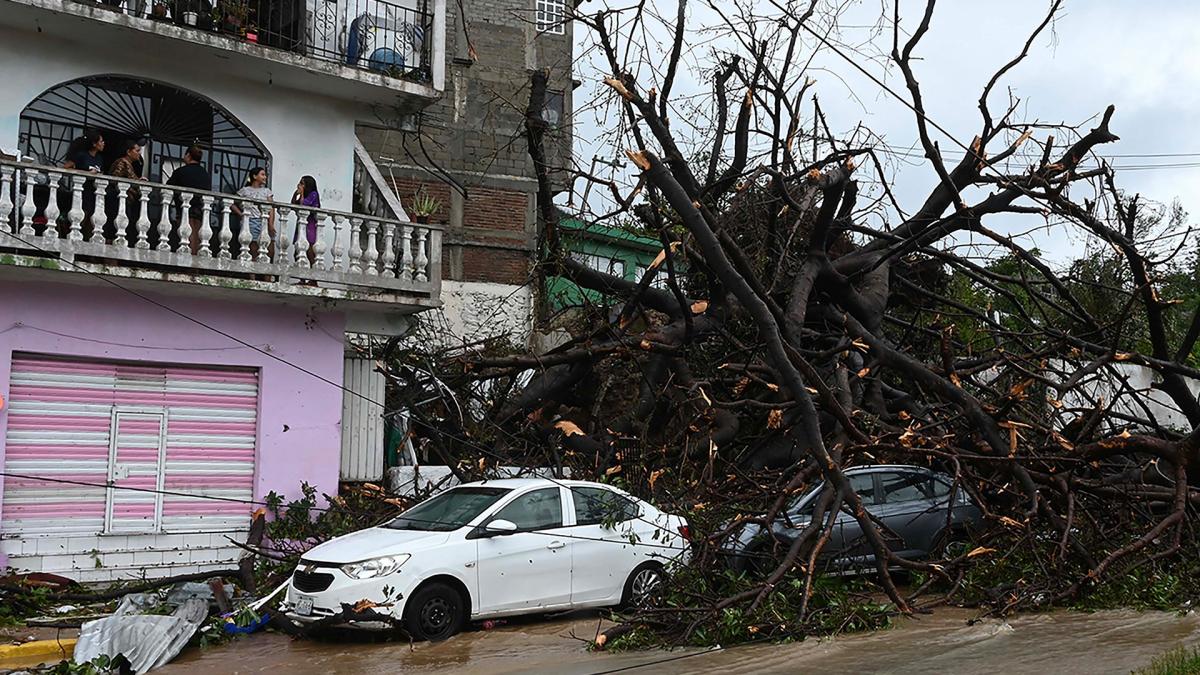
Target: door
602	556
136	455
529	569
849	542
909	510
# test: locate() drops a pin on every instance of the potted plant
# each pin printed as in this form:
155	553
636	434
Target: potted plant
424	206
159	11
234	15
252	33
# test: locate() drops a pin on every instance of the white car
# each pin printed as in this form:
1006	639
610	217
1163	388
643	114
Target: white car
494	548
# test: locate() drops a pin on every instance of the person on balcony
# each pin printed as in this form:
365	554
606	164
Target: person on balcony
252	213
306	195
83	154
125	167
193	176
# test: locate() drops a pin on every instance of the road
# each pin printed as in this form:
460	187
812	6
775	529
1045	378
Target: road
945	641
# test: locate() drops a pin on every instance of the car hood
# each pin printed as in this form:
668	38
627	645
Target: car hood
373	543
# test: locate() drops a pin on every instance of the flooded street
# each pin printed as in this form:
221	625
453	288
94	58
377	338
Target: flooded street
1060	642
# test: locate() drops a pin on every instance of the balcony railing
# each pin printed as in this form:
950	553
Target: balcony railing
104	220
391	37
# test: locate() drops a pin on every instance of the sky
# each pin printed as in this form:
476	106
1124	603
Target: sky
1141	56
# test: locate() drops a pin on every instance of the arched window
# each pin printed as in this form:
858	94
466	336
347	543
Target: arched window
167	119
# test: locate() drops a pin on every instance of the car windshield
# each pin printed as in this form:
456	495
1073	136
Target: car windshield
448	511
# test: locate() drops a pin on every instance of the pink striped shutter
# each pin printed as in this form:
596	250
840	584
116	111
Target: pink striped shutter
184	430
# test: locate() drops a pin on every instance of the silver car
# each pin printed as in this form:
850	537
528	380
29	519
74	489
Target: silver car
919	519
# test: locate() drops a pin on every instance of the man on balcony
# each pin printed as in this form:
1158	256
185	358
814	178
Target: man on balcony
193	176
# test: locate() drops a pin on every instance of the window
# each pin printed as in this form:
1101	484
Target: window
940	488
864	485
552	110
448	511
659	280
537	510
594	506
551	16
601	263
904	487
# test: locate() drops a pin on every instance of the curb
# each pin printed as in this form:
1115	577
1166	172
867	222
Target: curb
57	648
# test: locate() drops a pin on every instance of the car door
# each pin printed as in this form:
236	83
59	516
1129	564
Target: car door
529	569
602	553
848	544
910	510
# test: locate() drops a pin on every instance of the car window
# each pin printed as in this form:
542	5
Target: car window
537	510
940	488
904	487
448	511
864	485
594	506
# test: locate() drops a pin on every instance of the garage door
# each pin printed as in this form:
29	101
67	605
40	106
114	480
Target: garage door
169	438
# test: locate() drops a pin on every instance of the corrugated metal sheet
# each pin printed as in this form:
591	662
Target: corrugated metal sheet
362	421
180	429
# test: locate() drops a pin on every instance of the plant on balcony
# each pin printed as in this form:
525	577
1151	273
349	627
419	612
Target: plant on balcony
159	11
235	15
423	206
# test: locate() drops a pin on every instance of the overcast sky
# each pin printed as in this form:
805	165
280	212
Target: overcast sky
1142	56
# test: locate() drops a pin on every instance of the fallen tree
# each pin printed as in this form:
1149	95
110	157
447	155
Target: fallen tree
800	320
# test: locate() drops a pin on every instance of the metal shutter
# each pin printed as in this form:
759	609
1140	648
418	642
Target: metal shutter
152	427
362	421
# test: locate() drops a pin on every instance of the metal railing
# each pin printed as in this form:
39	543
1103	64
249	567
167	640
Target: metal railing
394	37
74	215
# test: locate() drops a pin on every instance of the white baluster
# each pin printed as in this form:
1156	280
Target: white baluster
422	262
52	211
120	220
302	242
7	177
225	235
370	253
286	233
164	219
98	215
355	251
389	254
76	214
28	208
406	256
264	235
206	233
143	221
320	246
185	227
339	223
244	235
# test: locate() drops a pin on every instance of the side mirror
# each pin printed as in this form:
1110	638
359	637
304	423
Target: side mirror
499	527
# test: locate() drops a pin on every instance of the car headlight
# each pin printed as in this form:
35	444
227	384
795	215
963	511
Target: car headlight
375	567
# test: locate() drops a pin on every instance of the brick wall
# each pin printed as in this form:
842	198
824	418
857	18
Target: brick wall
495	209
495	265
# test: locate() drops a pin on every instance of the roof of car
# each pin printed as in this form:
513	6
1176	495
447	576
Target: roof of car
518	483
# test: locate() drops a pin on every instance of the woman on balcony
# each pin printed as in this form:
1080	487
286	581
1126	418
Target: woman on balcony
306	195
125	167
251	213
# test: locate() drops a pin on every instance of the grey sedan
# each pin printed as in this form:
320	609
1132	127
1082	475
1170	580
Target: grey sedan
919	519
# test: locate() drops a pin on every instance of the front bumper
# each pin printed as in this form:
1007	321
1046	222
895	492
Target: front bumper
342	595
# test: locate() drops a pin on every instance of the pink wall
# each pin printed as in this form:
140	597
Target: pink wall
299	435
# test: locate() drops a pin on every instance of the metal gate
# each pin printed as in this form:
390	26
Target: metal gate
178	444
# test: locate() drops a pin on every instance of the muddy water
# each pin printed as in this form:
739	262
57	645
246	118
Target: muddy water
944	642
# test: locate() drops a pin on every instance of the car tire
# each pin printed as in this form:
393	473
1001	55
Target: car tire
642	585
950	545
434	613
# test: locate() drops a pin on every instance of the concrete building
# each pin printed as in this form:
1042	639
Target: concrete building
469	153
164	363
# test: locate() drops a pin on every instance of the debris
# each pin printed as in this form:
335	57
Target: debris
146	640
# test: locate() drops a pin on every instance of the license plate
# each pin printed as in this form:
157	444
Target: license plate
304	606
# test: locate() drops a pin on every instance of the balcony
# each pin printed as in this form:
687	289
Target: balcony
56	222
371	51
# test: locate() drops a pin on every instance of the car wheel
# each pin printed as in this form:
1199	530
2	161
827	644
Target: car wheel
434	613
643	586
951	545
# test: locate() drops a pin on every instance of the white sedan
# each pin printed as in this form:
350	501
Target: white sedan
489	549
